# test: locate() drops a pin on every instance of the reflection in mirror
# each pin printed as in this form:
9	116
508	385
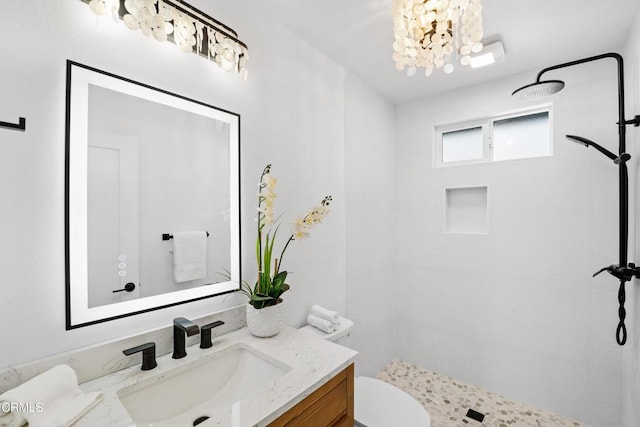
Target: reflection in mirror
152	198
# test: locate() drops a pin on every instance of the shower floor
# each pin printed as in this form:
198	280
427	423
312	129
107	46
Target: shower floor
448	400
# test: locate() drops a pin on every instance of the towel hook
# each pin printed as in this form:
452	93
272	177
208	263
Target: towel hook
21	125
167	236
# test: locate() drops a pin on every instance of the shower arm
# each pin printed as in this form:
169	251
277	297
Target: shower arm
621	116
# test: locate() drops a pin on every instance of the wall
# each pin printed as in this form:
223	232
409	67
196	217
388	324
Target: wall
292	111
631	362
370	183
516	310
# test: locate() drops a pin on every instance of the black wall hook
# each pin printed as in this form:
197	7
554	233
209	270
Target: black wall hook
635	121
21	125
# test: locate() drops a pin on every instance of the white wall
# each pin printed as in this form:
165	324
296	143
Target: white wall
371	273
292	110
516	311
631	365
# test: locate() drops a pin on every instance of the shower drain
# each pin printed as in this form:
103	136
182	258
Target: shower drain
474	415
200	420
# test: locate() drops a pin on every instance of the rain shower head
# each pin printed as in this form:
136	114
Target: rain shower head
538	89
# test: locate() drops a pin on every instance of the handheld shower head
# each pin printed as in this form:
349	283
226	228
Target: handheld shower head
587	142
538	89
579	140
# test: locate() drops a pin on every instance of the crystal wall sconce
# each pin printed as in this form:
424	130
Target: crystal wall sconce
182	24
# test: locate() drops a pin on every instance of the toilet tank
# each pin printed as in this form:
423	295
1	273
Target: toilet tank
342	336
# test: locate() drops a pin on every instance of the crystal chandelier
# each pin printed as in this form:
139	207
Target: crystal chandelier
429	32
184	25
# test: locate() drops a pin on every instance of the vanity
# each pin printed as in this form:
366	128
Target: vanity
294	378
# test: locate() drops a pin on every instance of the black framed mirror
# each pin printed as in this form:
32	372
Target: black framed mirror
152	198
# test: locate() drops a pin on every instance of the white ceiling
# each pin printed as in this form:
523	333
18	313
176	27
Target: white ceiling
358	34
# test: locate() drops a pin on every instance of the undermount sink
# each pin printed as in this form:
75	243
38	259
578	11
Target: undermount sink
213	386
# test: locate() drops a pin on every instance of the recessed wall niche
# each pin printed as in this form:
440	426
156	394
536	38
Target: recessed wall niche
466	210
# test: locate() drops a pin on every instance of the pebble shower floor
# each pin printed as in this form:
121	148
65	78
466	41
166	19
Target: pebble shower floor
448	401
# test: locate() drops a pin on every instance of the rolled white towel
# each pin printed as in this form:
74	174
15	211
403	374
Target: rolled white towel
51	399
323	313
322	324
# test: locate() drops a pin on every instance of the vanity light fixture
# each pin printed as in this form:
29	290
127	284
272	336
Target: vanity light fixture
429	32
182	24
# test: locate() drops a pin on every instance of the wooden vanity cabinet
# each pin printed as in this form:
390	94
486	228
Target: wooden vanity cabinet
330	405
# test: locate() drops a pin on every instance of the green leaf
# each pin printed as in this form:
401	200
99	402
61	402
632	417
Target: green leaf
261	301
273	240
267	256
279	278
281	290
258	251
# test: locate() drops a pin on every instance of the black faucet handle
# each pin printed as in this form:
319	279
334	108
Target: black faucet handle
205	333
148	354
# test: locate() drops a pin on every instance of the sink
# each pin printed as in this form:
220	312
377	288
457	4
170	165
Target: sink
214	386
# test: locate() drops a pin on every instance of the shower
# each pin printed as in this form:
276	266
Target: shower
623	271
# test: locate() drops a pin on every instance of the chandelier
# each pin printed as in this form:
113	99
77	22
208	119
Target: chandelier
429	32
176	21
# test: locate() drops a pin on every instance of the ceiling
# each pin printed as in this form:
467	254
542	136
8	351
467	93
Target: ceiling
358	34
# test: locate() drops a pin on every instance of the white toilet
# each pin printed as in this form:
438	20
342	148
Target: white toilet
377	404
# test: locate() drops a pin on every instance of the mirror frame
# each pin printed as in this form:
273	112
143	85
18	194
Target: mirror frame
78	314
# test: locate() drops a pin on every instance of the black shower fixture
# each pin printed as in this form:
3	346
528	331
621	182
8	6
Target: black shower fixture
623	271
539	89
588	143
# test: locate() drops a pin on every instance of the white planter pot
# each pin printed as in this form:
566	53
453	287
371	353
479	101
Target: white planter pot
265	322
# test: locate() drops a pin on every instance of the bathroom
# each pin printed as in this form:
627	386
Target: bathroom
513	309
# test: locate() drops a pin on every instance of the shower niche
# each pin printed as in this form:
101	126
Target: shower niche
466	210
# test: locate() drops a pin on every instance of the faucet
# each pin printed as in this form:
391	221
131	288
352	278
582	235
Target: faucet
148	354
205	333
182	327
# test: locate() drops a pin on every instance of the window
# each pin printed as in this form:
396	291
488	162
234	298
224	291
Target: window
505	137
461	145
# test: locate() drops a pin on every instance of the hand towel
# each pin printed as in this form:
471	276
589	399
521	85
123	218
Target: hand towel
189	255
323	313
322	324
52	399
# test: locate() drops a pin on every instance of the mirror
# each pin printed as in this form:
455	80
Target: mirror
152	198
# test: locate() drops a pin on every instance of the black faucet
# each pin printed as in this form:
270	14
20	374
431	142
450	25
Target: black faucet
205	333
148	354
182	327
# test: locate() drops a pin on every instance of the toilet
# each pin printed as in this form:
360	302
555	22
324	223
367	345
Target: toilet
377	404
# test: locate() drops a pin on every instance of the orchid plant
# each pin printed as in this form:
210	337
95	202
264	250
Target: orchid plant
270	284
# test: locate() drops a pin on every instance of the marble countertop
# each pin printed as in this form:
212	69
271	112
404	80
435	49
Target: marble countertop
313	362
